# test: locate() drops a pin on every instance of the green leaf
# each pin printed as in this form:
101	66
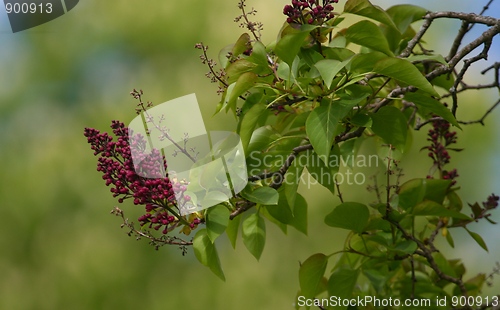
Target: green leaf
322	123
237	68
320	127
232	230
454	201
406	247
425	101
262	137
323	172
282	211
265	214
263	195
449	239
436	189
292	180
390	124
405	72
377	223
363	63
248	122
259	55
476	209
254	234
479	240
225	98
223	60
366	33
378	278
347	150
444	264
311	273
217	219
404	15
328	68
289	45
444	81
337	53
241	45
206	253
431	208
365	8
349	215
436	58
342	282
245	81
411	193
299	220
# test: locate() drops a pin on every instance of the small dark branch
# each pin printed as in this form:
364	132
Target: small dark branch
492	274
484	38
427	254
486	7
460	75
413	277
245	205
350	135
454	105
210	64
388	187
496	67
430	17
279	177
288	102
465	87
434	233
481	120
458	39
375	188
395	93
320	306
412	116
339	193
416	39
157	242
468	17
254	27
262	176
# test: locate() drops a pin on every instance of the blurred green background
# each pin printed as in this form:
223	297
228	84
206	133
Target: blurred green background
60	247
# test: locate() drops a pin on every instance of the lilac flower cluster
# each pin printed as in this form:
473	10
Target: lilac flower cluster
441	138
118	169
309	11
492	202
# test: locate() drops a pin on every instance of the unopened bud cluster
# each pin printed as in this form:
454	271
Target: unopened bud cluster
441	138
119	171
492	202
309	11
